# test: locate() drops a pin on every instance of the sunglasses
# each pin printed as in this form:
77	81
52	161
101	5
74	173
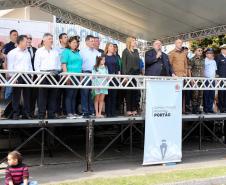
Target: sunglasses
29	38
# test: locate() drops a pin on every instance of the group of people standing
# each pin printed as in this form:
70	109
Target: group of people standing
19	55
203	64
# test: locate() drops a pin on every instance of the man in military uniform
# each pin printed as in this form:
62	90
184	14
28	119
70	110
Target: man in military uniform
221	71
196	66
188	93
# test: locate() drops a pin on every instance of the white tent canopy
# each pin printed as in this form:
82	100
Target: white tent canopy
145	19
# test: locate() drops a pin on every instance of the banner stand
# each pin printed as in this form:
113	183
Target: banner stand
163	122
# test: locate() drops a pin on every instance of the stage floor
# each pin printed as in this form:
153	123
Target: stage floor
68	122
7	123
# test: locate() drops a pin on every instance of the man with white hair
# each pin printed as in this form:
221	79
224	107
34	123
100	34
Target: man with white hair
157	62
47	60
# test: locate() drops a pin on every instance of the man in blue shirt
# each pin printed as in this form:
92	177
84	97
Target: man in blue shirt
88	54
60	108
209	72
63	39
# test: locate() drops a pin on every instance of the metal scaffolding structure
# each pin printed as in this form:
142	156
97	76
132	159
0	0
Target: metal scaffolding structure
218	30
84	80
9	4
13	4
72	18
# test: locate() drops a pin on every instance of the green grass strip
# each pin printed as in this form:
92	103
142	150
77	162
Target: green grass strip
157	178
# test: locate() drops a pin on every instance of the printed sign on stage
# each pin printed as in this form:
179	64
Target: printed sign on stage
163	122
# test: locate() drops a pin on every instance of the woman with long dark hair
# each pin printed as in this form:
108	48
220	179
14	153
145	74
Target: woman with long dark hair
112	64
99	94
71	63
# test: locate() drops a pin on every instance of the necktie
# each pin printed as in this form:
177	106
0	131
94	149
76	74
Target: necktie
29	50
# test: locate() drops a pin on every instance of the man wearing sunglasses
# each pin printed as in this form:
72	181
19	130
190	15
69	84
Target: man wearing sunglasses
34	91
31	49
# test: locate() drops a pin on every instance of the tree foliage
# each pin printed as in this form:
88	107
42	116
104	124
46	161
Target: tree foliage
209	42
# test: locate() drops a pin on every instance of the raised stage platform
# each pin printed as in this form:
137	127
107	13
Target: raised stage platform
7	123
129	125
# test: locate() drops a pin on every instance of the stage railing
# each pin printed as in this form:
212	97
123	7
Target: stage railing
84	80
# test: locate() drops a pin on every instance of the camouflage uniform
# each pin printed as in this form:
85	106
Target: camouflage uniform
196	66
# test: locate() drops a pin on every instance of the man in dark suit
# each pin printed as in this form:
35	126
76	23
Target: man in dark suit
34	91
221	71
157	62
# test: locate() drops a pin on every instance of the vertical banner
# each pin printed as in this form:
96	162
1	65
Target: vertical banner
163	122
